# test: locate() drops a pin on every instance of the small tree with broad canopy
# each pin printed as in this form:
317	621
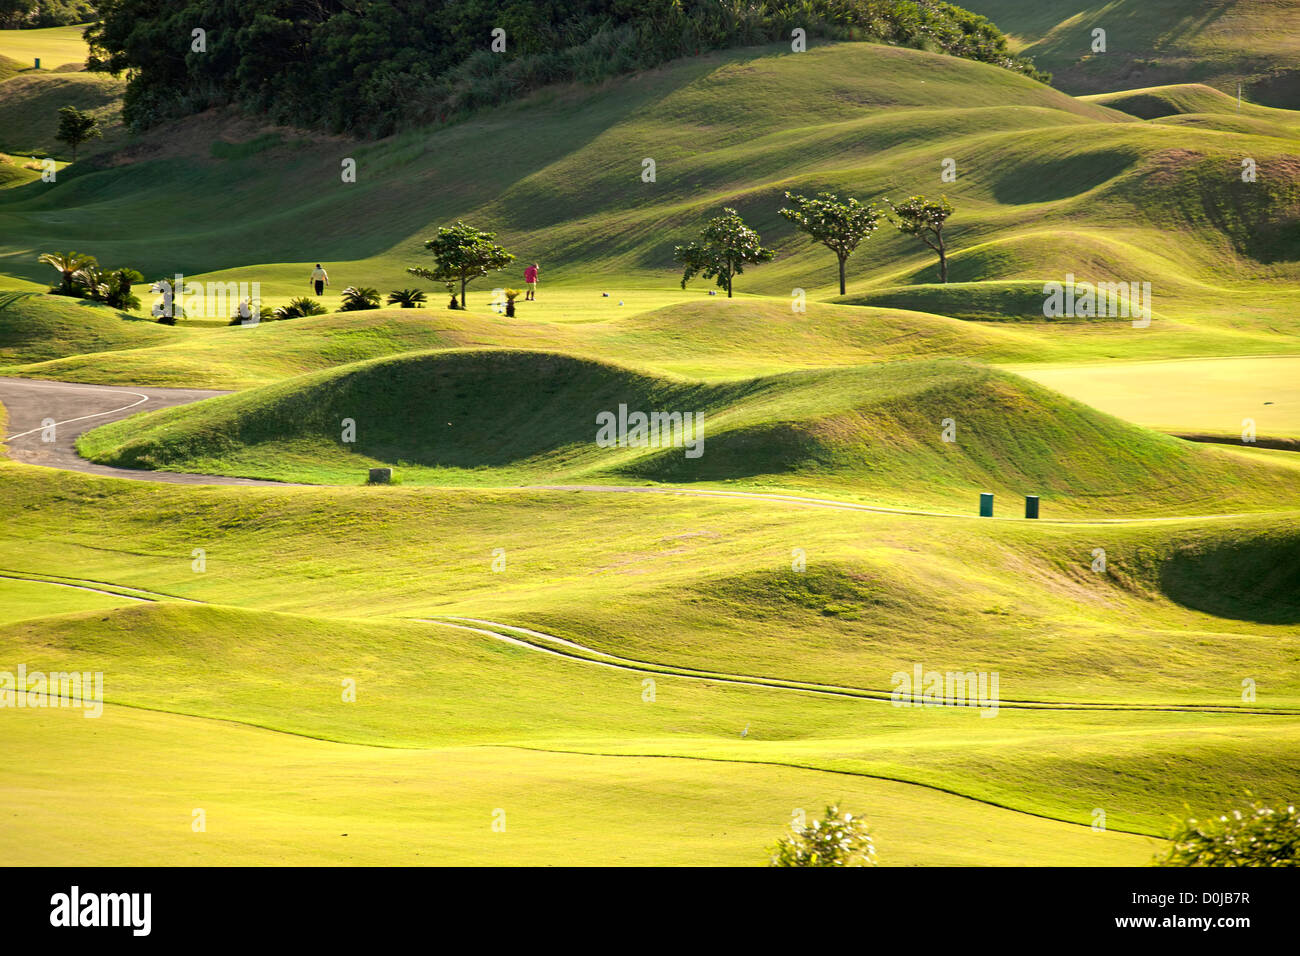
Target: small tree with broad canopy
463	254
837	224
725	245
75	127
925	218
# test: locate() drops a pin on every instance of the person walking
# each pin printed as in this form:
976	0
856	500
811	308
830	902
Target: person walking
530	280
320	279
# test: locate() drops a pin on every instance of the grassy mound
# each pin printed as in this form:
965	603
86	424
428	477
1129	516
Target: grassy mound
36	327
10	67
980	301
506	417
1159	42
1202	191
889	591
14	172
452	410
30	102
232	357
1255	579
1179	98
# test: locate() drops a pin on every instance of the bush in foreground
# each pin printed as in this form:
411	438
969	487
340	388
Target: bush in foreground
837	839
1260	836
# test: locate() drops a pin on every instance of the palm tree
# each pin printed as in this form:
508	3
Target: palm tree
407	298
299	307
90	278
67	264
119	283
359	298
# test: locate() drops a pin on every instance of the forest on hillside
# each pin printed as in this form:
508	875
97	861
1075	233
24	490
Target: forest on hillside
370	67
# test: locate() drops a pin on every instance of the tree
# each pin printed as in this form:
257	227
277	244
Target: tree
725	245
118	285
837	839
14	13
1262	836
463	254
359	298
93	281
407	298
838	225
924	218
75	127
68	265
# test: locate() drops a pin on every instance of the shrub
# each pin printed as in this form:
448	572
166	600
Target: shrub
837	839
511	295
407	298
299	307
1261	836
169	300
264	314
359	298
68	265
91	282
117	288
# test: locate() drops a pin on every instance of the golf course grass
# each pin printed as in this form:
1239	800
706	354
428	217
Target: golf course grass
675	653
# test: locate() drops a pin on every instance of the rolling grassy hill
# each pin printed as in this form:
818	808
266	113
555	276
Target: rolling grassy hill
30	102
35	328
515	417
1159	41
881	129
1122	683
689	334
1047	186
608	571
274	799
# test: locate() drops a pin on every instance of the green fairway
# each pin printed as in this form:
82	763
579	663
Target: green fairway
56	46
21	599
738	621
628	637
270	799
1203	397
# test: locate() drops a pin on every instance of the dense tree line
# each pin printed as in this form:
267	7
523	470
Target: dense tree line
34	14
372	66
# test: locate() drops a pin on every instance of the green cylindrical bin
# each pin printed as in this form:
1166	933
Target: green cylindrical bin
1031	506
986	504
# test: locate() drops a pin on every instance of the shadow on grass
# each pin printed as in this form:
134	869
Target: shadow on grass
1256	581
